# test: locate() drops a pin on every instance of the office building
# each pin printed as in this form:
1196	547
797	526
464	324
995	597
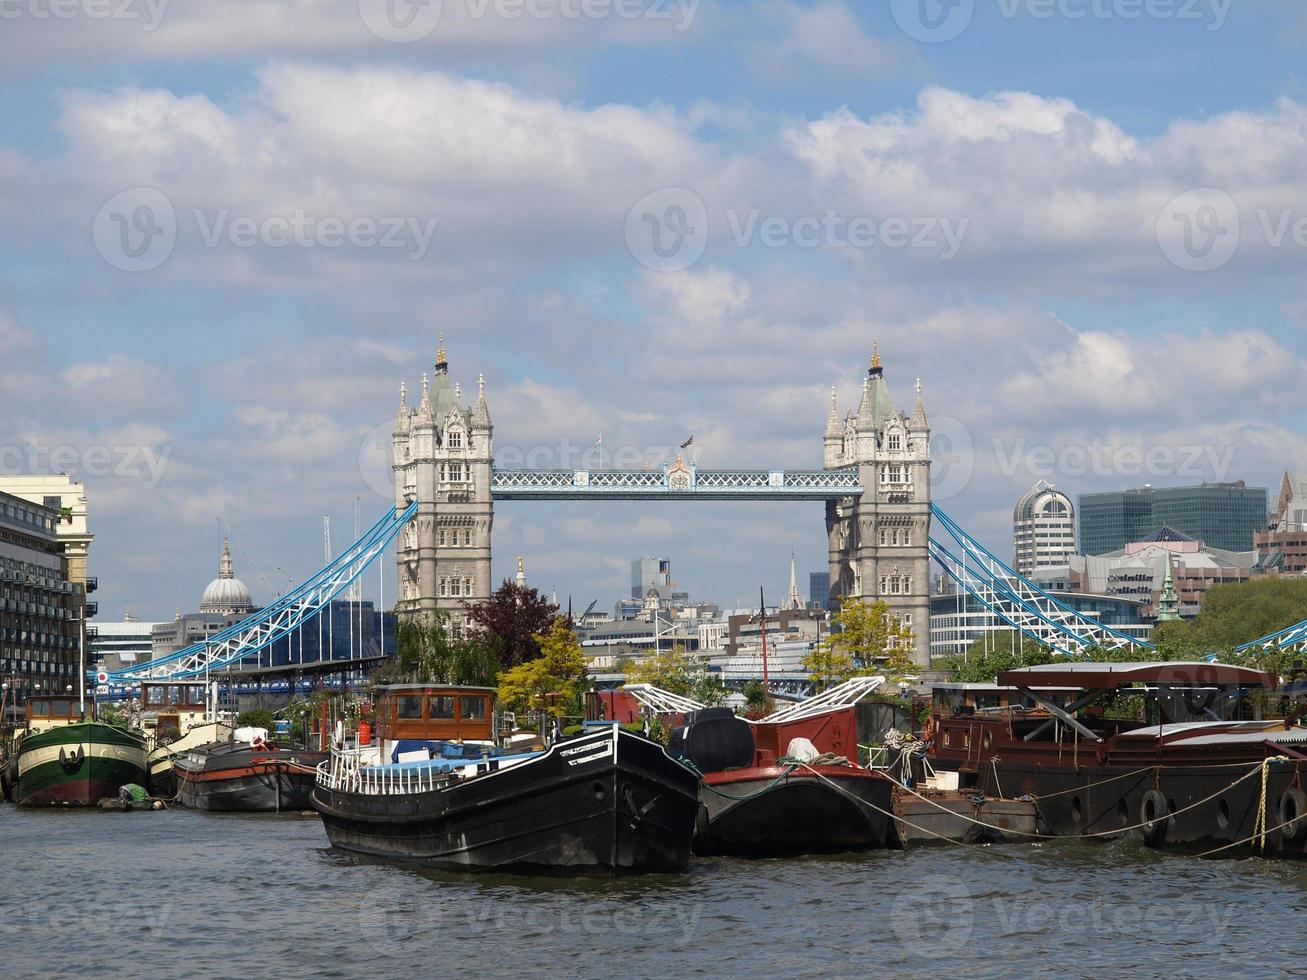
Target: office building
1043	529
651	573
1282	549
819	590
1221	515
40	608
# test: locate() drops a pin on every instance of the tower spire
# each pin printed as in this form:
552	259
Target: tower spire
224	563
794	584
875	355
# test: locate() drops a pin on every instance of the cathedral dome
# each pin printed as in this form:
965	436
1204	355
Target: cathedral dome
226	594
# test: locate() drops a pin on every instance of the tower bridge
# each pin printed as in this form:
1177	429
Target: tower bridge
874	484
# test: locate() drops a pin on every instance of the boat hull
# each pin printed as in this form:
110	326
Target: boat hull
1111	801
822	809
238	779
614	803
78	764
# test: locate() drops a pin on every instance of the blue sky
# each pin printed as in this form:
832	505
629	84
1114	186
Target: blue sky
1049	160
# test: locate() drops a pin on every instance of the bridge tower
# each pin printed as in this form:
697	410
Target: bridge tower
877	542
443	453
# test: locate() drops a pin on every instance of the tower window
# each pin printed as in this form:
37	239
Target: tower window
455	438
895	442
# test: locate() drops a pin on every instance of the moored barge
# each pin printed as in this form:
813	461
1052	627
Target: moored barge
1196	770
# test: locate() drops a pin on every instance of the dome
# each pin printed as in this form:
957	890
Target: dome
226	594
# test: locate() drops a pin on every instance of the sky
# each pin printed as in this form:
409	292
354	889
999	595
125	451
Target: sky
229	230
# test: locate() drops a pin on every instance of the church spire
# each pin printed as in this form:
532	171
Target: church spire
224	563
1168	603
793	602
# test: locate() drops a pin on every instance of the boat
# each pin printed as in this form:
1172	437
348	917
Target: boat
446	796
65	758
246	773
176	719
1196	768
758	803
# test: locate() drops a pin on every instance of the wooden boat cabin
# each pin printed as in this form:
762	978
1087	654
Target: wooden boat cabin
52	711
951	700
409	716
170	708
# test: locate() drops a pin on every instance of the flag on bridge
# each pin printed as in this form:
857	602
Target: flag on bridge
686	444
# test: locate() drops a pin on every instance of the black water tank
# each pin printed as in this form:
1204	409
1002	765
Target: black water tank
713	739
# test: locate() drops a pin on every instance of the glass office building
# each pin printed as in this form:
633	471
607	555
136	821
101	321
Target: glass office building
1221	515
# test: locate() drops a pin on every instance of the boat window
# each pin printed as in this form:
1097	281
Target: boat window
154	695
40	709
472	708
176	694
409	706
60	709
442	706
195	694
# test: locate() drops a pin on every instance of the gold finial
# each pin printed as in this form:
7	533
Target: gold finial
875	354
440	351
519	565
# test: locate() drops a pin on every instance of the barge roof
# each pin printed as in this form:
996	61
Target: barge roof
1106	676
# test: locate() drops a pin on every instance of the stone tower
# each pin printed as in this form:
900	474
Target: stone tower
877	542
443	452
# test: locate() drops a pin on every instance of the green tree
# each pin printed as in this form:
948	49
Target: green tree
426	653
999	651
554	681
681	673
256	718
868	640
757	700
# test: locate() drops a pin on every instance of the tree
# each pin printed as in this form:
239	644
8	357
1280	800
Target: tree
553	681
869	640
427	654
758	701
1000	650
681	673
513	619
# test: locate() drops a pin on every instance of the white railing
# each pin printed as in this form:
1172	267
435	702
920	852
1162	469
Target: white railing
345	773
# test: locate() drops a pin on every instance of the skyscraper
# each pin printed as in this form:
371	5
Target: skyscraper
1221	515
1043	529
651	573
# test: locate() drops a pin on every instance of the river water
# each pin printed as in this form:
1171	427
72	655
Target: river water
182	893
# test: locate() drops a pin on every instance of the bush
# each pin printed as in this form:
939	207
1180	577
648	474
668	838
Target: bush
256	718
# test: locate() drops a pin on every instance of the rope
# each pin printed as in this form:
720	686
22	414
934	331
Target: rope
1258	767
1248	840
1077	789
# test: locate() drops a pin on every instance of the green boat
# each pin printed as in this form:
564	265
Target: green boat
66	760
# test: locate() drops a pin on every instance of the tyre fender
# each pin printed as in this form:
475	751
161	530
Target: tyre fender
1154	816
1292	813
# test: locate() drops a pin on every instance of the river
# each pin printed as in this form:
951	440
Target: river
182	893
